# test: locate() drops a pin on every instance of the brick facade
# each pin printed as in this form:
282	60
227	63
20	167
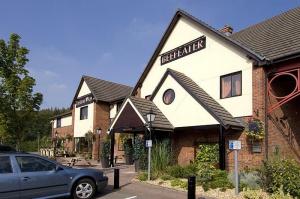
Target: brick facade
101	120
63	132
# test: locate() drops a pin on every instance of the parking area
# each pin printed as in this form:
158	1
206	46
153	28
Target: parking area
130	189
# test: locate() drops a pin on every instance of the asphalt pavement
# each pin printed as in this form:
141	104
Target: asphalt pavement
136	190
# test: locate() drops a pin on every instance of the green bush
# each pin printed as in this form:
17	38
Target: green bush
160	157
178	171
142	176
285	173
254	194
179	183
281	195
208	153
166	177
213	178
248	180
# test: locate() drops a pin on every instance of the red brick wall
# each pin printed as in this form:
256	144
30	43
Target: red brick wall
102	120
185	143
62	133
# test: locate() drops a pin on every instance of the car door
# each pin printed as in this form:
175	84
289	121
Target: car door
9	179
40	178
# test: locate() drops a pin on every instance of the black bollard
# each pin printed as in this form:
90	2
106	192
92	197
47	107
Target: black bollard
192	187
116	178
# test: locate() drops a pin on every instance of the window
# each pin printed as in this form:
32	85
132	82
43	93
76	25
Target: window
119	106
5	165
148	97
34	164
231	85
58	122
168	96
84	113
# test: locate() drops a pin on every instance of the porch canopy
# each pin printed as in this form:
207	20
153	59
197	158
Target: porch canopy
132	117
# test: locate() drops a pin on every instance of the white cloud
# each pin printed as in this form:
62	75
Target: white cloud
59	86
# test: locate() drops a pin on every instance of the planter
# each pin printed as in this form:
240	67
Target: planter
105	162
256	147
128	159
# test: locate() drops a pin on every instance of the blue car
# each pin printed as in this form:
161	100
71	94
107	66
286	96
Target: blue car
24	175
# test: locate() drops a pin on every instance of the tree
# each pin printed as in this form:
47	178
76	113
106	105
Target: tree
18	103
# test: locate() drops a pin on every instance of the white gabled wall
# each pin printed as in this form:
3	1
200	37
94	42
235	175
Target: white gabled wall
205	67
81	127
84	90
65	121
184	110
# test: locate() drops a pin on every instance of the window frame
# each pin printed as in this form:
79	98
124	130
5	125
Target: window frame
165	92
230	75
58	119
42	159
87	113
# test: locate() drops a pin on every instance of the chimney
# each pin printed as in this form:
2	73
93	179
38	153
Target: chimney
227	30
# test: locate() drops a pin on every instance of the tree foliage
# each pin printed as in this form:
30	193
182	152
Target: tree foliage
18	102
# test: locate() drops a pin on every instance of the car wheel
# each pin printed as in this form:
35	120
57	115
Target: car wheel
84	189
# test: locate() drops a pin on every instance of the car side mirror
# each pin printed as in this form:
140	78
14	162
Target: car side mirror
58	168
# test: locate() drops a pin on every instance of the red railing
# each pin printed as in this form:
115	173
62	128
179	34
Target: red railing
295	74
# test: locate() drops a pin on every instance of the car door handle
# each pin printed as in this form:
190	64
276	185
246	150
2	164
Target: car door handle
26	178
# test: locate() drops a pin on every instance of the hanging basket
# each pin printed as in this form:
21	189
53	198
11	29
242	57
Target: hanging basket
255	130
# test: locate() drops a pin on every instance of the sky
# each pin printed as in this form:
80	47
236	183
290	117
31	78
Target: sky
111	40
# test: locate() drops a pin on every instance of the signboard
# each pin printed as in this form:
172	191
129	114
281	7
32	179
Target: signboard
183	50
235	144
84	100
148	143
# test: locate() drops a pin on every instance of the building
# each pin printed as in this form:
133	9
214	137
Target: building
94	105
208	86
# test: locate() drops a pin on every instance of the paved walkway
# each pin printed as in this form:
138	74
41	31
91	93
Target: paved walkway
130	189
136	190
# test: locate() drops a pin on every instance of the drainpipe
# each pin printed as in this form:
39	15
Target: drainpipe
266	118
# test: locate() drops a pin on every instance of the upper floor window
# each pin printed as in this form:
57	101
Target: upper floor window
231	85
58	122
84	113
119	106
148	97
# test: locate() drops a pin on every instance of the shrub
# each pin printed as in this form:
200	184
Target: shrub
166	177
283	173
179	183
208	153
254	194
178	171
248	180
160	157
214	178
281	195
142	176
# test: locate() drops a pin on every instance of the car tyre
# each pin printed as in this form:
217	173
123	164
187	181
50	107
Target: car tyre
84	189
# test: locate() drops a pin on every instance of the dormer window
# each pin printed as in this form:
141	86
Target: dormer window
231	85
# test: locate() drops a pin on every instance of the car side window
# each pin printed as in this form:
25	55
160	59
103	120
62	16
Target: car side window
5	165
34	164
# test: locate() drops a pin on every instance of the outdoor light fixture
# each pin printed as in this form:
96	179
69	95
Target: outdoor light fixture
99	131
150	118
